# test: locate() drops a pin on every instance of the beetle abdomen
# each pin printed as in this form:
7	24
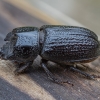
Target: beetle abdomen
69	44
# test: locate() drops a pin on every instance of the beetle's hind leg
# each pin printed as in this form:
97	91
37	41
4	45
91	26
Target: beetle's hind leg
85	66
73	68
50	75
22	68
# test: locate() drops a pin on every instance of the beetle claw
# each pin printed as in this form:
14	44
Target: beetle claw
95	76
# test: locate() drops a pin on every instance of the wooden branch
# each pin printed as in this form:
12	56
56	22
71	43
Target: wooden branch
34	84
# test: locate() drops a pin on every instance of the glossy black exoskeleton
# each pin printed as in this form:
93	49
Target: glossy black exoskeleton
67	45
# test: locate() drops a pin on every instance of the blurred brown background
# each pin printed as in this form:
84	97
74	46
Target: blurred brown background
34	84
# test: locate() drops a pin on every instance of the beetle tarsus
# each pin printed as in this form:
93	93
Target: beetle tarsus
95	76
50	75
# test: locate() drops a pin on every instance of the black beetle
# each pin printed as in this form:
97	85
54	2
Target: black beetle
65	45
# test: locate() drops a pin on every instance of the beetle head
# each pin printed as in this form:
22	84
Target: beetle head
22	45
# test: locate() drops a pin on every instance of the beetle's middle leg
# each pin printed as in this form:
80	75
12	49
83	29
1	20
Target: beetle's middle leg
22	68
50	75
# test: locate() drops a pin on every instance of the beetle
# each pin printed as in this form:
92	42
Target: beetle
64	45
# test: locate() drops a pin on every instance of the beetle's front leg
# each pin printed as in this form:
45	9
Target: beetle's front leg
50	75
22	68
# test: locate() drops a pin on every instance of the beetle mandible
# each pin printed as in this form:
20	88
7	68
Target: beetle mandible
67	45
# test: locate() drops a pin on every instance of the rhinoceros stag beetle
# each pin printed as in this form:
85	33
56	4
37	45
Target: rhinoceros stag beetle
64	45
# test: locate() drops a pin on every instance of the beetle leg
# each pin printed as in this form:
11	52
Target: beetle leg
83	66
81	72
22	68
50	75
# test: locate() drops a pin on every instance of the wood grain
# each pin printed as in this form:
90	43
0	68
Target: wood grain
34	84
